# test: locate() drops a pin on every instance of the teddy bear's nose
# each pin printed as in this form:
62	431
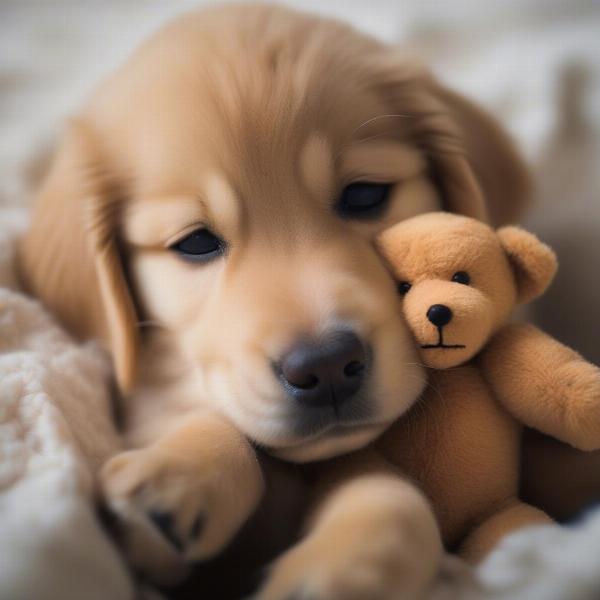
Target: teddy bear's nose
439	315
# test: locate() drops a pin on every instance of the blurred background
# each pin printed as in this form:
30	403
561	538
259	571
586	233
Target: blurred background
535	64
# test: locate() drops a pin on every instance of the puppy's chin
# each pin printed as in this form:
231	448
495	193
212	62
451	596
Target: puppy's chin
328	445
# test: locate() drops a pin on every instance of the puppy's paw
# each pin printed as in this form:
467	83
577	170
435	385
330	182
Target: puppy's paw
377	569
172	510
374	537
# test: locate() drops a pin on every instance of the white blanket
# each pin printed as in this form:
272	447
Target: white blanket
55	428
549	562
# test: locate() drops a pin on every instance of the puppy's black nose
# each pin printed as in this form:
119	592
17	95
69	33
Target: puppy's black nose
325	373
439	315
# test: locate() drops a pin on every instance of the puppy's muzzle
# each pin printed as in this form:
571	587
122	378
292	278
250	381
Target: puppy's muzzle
324	373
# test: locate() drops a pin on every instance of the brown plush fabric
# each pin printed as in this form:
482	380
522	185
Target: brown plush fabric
461	447
551	388
462	441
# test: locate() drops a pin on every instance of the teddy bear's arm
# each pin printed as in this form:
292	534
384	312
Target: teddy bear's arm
544	384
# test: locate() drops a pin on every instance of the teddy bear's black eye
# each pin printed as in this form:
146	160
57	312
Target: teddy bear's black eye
461	277
404	288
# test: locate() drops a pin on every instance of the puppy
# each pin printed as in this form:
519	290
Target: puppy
209	214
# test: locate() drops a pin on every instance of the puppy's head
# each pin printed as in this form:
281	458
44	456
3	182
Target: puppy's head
227	183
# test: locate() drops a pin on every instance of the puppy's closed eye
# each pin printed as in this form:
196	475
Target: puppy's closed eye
363	200
201	245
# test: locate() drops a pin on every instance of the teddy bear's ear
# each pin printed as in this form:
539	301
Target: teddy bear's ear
534	264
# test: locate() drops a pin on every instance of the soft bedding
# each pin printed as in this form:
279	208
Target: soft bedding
55	428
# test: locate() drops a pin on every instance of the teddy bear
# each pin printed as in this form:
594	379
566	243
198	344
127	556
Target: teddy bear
459	280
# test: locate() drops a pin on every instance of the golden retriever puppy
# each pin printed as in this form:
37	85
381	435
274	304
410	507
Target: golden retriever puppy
210	215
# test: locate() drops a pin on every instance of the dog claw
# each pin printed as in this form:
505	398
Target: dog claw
197	526
165	524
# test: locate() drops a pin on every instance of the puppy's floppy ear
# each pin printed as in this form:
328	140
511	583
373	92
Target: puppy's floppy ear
533	263
473	161
497	166
70	258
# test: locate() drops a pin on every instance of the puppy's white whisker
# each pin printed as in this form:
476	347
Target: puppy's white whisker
428	385
416	364
375	136
379	117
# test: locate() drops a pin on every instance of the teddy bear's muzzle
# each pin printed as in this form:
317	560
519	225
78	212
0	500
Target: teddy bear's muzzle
440	315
